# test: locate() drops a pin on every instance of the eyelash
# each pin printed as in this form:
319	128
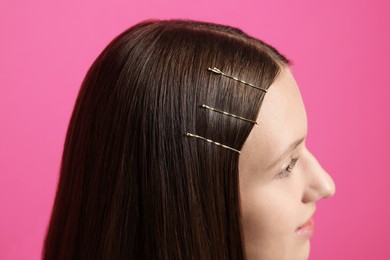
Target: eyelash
286	172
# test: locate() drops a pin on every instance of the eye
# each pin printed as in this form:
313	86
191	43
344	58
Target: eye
286	172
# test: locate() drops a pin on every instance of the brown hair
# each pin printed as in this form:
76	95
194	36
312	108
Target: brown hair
132	185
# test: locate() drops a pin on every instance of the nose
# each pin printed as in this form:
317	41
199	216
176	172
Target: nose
319	184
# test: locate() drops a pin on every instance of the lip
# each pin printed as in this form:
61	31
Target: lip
306	230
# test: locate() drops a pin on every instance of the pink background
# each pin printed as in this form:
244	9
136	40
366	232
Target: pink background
341	55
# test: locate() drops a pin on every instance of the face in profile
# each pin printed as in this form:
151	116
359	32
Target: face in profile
280	180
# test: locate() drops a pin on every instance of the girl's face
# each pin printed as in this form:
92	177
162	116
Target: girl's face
280	180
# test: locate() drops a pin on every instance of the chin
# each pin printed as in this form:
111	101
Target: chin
301	252
305	252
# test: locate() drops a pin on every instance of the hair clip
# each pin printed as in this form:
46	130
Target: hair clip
217	71
228	114
213	142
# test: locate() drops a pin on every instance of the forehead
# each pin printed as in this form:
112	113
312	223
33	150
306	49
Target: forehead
281	121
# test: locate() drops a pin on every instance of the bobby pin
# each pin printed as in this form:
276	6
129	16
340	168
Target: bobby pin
213	142
217	71
228	114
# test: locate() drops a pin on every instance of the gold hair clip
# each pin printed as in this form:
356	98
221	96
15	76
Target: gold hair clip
228	114
213	142
217	71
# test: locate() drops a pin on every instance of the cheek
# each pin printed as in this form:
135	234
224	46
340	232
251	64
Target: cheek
267	214
269	219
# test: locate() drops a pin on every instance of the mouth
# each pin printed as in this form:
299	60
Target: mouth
306	231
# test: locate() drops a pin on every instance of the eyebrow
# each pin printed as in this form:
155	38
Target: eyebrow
289	148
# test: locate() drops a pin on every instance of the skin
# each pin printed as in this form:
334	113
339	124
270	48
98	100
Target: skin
273	206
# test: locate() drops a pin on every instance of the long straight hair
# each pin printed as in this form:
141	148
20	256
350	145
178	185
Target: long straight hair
132	184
